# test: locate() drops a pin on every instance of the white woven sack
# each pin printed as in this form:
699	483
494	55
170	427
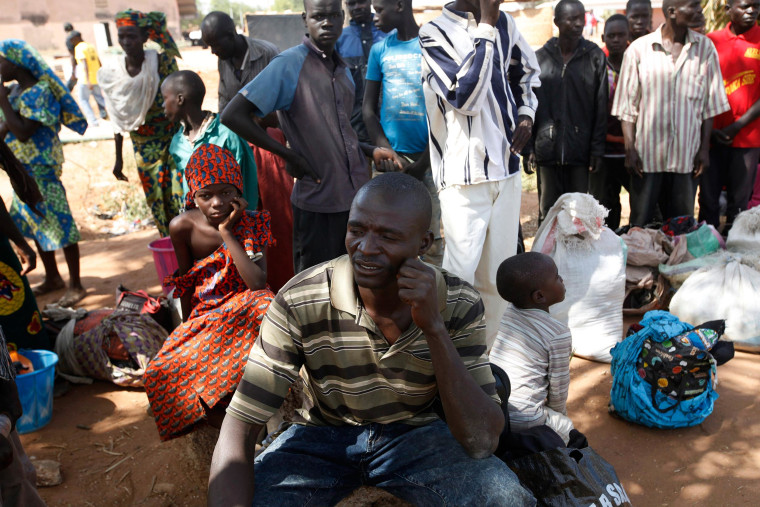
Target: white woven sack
744	235
729	292
590	259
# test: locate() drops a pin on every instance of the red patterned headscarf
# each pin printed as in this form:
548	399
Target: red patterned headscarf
211	164
154	23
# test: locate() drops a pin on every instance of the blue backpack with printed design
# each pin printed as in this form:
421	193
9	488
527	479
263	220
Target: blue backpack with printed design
663	376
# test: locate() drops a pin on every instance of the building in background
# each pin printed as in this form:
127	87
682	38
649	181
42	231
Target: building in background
40	22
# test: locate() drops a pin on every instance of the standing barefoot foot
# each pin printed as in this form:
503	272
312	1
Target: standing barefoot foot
72	297
48	286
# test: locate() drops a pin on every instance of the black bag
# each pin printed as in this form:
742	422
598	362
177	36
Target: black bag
141	302
675	367
570	477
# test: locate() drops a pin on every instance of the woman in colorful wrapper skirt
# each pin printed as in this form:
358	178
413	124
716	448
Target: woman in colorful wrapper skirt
31	114
221	252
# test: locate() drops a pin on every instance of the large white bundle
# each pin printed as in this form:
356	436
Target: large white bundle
590	259
744	236
729	291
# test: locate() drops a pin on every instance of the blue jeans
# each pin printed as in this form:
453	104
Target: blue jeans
83	99
425	465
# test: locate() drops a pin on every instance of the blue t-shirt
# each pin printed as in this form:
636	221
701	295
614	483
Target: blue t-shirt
398	66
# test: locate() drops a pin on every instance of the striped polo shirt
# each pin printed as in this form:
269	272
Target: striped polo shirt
477	80
533	348
668	100
318	326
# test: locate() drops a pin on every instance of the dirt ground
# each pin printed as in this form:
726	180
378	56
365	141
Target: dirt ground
109	449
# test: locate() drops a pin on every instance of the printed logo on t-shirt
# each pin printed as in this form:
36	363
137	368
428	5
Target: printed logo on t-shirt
752	53
737	81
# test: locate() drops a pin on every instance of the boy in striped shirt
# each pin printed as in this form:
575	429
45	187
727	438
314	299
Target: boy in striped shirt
532	347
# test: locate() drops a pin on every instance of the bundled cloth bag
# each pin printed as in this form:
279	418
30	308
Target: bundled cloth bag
591	260
662	376
728	291
117	350
744	236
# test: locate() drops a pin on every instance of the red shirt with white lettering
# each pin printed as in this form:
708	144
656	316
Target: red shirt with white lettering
739	57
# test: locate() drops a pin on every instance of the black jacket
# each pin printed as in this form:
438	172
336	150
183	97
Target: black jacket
571	119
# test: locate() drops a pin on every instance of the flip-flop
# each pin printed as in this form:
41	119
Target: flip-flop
46	288
72	297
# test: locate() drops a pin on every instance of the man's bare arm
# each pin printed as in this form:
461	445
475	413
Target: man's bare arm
726	134
702	160
473	417
237	117
632	159
231	480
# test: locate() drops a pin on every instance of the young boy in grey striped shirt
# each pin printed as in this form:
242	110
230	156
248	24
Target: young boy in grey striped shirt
532	347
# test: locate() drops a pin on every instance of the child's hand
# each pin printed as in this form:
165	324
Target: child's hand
239	206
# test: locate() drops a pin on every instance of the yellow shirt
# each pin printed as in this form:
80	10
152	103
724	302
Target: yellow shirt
84	52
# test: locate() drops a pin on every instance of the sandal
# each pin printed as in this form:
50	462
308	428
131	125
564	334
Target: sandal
72	297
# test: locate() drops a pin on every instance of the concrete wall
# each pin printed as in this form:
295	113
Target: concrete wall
40	22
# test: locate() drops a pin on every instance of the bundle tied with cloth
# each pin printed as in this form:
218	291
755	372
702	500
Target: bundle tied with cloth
591	260
727	284
659	260
128	98
114	345
664	375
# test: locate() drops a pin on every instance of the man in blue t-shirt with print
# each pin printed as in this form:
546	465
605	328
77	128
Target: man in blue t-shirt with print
353	46
398	121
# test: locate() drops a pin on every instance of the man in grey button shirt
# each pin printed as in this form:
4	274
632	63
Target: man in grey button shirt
241	58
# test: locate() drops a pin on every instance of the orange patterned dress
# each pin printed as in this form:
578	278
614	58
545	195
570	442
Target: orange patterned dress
202	361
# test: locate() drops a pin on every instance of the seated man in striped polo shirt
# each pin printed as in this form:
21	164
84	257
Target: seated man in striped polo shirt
376	336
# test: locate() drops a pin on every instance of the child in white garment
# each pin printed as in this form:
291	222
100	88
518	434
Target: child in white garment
532	347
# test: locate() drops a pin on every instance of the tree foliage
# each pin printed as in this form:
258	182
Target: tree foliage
236	10
715	15
287	5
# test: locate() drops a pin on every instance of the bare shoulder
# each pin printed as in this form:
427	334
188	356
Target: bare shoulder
183	224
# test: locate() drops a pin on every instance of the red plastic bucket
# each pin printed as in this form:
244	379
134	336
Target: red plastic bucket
164	259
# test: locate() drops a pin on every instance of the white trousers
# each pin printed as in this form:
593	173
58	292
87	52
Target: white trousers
480	229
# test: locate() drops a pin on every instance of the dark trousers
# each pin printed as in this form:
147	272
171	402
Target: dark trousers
673	192
605	185
556	180
736	169
317	237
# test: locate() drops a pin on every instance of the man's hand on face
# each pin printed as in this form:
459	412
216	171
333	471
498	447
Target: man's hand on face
416	287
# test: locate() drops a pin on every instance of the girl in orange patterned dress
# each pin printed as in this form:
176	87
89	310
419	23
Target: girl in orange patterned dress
220	250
